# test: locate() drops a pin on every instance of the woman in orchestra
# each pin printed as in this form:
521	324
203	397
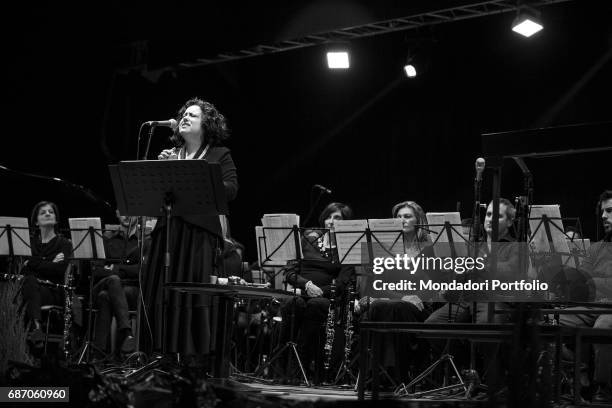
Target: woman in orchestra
319	269
409	308
50	254
196	242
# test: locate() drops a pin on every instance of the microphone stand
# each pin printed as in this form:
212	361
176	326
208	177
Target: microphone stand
141	247
151	129
525	201
476	237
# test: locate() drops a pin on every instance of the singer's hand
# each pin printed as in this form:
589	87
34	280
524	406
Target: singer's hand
167	154
313	290
59	257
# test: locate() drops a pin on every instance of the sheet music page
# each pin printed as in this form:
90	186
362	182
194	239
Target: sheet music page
581	245
261	244
540	240
392	241
78	233
579	248
436	226
110	229
440	218
348	232
21	233
274	237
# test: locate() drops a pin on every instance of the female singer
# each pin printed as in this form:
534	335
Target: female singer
196	242
50	253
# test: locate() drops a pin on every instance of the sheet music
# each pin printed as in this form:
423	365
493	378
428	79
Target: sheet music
110	229
436	226
78	233
579	248
539	241
22	233
274	237
581	245
347	233
392	241
261	244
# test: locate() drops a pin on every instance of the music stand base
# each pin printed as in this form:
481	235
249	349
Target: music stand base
402	390
292	347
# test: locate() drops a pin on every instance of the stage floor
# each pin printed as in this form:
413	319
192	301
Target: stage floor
334	396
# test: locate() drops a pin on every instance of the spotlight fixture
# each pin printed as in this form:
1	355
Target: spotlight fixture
410	70
410	66
338	56
527	22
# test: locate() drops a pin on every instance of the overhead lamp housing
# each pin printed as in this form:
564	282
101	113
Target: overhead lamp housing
338	56
527	22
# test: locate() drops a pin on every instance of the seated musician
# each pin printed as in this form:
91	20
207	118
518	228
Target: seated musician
314	279
598	265
111	296
50	254
507	256
409	308
462	312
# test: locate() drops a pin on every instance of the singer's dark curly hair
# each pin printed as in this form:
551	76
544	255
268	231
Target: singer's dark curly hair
214	125
345	210
34	216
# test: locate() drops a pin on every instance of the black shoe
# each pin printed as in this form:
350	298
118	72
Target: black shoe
37	338
126	341
602	396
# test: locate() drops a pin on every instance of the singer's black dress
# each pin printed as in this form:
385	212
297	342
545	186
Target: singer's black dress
195	244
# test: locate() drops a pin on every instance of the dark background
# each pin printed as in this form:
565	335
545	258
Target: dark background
80	82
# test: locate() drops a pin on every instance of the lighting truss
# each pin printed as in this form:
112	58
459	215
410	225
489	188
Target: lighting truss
458	13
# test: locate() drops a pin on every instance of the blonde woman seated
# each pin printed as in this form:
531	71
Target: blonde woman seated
409	308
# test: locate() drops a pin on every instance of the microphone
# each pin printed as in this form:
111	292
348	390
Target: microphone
323	188
480	166
171	123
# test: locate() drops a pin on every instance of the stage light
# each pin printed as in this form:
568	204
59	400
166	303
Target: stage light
338	60
410	70
527	22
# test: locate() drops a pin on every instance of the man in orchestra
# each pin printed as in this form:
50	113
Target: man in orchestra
463	312
507	258
598	265
113	295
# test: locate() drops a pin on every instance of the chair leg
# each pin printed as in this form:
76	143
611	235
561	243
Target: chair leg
47	330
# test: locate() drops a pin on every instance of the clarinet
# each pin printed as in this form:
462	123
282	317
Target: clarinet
68	293
330	327
349	328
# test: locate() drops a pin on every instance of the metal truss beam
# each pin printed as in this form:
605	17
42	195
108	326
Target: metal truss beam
463	12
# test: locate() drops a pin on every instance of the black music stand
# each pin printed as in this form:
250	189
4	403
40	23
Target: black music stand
170	188
12	235
403	389
92	247
290	345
